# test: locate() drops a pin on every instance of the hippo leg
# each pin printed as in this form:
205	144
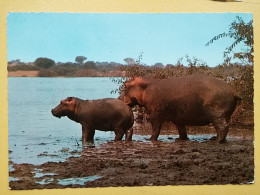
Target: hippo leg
129	134
221	126
87	134
119	134
182	132
156	128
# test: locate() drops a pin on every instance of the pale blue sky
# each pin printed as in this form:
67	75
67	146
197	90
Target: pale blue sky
113	37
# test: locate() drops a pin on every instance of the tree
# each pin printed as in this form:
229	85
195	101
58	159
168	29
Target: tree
129	61
80	60
90	65
44	62
14	61
158	65
241	32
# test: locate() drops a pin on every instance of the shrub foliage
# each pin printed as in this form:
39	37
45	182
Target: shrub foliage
44	62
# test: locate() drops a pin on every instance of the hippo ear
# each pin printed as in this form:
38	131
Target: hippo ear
70	99
132	78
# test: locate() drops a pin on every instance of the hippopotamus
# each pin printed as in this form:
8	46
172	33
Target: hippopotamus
194	100
102	114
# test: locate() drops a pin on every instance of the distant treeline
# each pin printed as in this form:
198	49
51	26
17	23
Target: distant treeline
48	68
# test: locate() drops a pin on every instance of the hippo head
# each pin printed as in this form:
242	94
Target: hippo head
133	91
65	107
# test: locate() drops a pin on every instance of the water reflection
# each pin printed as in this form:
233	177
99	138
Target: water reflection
91	144
13	179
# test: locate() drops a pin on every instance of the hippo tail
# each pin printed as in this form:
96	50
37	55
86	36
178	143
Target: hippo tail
238	98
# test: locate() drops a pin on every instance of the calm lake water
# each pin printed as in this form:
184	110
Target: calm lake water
35	136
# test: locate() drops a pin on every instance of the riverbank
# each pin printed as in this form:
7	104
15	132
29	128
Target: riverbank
23	73
197	161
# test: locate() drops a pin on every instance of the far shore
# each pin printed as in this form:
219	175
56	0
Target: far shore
22	73
81	73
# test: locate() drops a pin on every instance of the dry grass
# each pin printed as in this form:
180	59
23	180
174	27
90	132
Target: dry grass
23	73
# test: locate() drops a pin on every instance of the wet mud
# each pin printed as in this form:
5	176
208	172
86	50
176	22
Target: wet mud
197	161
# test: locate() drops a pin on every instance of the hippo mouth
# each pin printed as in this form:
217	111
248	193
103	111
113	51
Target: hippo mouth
55	114
133	102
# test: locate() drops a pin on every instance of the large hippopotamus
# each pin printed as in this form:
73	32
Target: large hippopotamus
195	100
103	114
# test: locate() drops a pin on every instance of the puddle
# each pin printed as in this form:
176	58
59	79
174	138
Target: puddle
45	181
77	181
39	175
200	138
172	138
13	179
11	167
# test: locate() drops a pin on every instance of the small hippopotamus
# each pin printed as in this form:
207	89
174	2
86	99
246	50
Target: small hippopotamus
191	100
102	114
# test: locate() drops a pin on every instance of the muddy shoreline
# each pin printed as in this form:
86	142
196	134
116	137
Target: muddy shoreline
142	163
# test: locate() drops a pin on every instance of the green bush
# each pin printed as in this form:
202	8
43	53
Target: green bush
65	71
22	66
46	73
44	62
90	65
